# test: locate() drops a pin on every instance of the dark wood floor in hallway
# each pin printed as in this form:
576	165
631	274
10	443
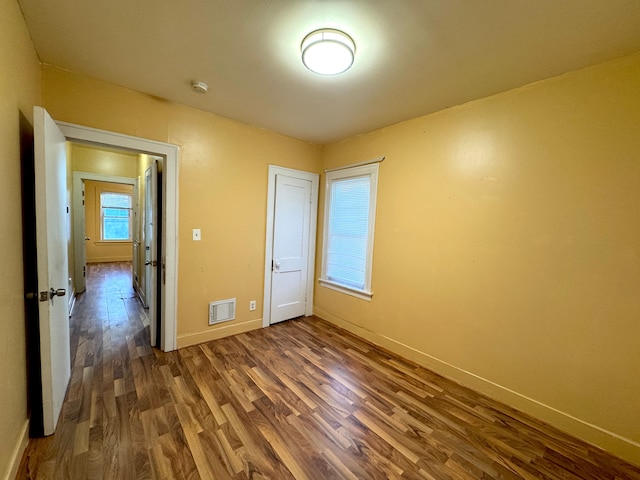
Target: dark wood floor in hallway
299	400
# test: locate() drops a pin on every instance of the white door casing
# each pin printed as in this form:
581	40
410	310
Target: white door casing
290	245
51	209
169	256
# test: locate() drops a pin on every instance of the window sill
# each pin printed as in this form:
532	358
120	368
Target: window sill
113	242
354	292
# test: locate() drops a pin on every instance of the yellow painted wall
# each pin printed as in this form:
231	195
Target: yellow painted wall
97	250
19	92
507	248
104	162
223	169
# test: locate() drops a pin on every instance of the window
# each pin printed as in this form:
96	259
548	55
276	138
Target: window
115	215
350	208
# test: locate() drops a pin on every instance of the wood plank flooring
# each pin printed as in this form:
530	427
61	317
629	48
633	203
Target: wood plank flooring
299	400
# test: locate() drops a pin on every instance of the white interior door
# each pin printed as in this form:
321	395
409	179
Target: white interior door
51	209
150	246
291	230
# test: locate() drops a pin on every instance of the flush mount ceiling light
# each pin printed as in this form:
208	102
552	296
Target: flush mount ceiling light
199	87
328	51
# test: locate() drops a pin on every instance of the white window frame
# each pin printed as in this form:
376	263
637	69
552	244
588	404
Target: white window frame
372	172
102	217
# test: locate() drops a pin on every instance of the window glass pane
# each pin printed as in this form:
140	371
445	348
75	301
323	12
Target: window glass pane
115	228
348	230
115	212
121	200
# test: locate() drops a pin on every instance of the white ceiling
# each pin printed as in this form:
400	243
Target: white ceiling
412	56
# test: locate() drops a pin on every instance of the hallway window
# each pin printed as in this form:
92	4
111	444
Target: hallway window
115	214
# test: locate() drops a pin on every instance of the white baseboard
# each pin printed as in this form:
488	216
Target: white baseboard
610	441
140	296
220	331
18	451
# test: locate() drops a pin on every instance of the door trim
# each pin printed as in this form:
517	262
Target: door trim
169	295
314	178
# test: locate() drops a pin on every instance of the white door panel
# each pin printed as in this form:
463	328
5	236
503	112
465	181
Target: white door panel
50	180
150	233
291	231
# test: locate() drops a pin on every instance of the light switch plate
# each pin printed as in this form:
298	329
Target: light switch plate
196	234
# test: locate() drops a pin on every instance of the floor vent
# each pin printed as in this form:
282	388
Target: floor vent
222	311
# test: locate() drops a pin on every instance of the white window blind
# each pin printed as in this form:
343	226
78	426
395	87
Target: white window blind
349	219
348	230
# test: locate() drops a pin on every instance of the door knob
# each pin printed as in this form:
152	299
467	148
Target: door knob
276	264
61	292
44	296
152	263
87	238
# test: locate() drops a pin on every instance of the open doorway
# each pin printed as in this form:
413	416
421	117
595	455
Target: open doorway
167	261
117	209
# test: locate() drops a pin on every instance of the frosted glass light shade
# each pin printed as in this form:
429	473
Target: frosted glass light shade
328	51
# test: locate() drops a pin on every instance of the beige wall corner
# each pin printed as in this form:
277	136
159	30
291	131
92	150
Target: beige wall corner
507	248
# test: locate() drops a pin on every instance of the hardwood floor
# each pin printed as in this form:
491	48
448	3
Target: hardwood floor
299	400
